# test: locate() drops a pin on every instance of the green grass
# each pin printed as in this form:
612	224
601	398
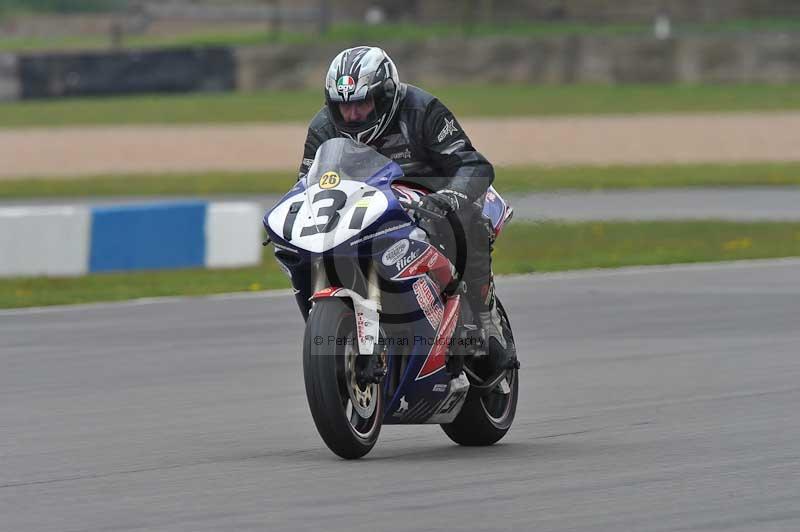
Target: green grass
529	246
474	100
516	180
216	183
382	34
531	179
523	247
345	34
235	38
57	6
41	291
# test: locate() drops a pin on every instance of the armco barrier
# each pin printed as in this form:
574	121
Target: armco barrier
69	241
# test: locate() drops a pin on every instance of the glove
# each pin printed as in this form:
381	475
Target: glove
444	201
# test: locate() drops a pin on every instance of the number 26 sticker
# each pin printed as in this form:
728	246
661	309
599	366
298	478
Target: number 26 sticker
329	180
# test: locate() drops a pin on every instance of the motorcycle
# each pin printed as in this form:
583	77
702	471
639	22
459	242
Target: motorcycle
389	338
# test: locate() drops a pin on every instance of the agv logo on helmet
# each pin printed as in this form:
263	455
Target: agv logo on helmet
346	86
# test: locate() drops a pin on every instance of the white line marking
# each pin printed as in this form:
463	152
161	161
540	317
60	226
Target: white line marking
266	294
654	269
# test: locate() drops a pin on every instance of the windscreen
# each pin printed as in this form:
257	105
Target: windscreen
346	158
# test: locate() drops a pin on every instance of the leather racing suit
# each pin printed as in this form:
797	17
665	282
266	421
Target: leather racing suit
433	150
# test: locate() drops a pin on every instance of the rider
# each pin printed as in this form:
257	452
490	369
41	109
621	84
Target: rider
365	101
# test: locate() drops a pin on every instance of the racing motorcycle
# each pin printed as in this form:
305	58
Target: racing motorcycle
389	337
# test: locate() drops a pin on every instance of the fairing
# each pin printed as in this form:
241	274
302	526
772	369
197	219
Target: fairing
416	326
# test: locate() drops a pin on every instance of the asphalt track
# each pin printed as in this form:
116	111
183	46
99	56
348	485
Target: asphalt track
741	204
652	399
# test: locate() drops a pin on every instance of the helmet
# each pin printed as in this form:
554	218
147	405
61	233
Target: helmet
359	74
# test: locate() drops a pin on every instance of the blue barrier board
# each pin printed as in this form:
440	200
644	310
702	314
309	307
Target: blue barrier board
155	236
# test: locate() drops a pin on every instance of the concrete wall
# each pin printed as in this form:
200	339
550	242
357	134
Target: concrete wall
756	58
70	241
44	241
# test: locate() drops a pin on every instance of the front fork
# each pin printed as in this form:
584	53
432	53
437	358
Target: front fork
372	366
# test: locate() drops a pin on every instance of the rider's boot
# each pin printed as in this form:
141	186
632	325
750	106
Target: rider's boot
501	350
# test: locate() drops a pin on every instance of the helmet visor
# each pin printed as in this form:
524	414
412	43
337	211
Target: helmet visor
355	116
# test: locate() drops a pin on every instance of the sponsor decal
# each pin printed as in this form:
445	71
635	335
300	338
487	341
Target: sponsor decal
308	162
379	233
428	303
405	154
452	402
490	195
415	268
346	85
361	327
448	129
434	258
436	359
405	261
441	387
325	292
329	180
403	408
395	252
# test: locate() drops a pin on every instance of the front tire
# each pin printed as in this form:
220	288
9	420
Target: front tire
347	416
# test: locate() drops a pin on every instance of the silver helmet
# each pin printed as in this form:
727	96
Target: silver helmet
359	74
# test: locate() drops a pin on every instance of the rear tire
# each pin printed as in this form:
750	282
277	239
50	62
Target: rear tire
347	416
484	420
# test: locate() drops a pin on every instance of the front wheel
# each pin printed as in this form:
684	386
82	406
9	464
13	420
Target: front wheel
347	415
484	420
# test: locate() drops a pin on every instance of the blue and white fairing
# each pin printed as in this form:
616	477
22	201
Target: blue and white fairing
345	212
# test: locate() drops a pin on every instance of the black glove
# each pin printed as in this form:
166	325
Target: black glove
443	202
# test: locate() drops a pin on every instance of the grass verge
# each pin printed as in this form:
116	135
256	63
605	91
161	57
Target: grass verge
509	180
384	35
347	34
523	247
472	100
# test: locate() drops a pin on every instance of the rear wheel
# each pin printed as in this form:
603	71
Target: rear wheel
347	415
485	419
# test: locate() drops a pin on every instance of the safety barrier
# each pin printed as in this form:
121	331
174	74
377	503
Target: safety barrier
48	75
76	240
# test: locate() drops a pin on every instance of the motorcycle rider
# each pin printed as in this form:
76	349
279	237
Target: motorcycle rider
365	101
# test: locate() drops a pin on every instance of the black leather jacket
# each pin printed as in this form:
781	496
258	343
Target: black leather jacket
425	139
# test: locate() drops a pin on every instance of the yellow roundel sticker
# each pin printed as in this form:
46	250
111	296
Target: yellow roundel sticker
329	180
